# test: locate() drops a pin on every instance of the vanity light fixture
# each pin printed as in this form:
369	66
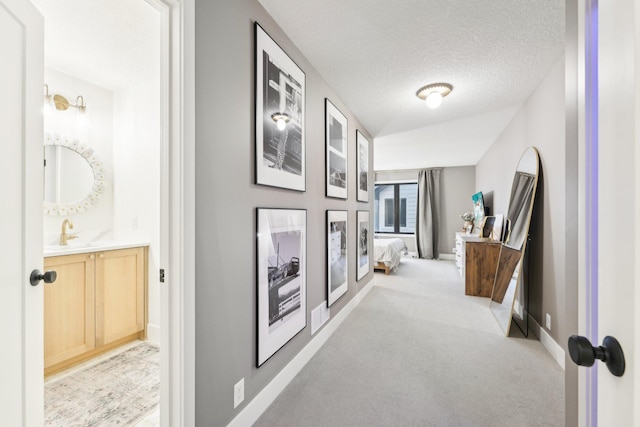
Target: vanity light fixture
433	93
281	120
61	103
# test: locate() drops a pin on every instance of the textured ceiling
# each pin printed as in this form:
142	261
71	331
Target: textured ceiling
110	43
375	54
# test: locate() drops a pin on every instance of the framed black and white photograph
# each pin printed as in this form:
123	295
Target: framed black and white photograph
362	167
337	265
281	276
363	232
280	116
336	154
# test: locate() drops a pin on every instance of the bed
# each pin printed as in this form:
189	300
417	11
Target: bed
387	253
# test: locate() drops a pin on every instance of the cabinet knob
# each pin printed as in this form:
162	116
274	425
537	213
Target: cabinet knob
92	256
101	255
37	276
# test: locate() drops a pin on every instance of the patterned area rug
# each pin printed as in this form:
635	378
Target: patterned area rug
115	392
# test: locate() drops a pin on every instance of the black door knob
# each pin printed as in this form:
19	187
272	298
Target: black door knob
584	354
37	276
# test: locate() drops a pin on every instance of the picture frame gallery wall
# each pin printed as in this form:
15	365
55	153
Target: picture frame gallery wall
280	157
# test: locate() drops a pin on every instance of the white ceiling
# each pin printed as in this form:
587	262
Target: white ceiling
110	43
375	55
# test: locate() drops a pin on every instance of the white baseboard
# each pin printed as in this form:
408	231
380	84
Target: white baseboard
250	414
153	333
555	350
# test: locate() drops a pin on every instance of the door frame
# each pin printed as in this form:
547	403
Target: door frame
177	205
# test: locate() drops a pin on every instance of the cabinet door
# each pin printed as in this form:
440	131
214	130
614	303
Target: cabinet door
120	294
69	319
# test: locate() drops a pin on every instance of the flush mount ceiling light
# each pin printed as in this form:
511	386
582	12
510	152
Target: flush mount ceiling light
434	93
281	120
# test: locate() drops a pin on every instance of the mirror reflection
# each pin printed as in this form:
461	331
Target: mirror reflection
73	177
68	175
508	298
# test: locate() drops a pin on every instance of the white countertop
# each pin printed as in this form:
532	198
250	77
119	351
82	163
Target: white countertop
84	247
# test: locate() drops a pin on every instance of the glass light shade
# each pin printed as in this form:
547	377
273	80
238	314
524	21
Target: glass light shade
434	99
281	124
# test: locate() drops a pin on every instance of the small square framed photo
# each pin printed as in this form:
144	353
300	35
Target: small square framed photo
337	259
280	117
281	277
363	232
336	151
362	167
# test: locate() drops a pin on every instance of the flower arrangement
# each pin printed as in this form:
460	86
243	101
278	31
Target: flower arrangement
467	216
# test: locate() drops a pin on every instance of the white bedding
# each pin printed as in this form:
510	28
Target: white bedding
388	251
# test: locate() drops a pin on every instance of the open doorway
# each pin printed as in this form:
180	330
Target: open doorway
104	58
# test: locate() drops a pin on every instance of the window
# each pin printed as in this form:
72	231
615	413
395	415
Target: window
395	208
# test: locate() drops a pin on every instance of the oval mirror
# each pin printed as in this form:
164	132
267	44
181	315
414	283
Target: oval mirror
73	177
508	298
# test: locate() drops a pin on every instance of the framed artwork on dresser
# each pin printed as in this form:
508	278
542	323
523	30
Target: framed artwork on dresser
281	255
337	259
362	167
336	151
280	116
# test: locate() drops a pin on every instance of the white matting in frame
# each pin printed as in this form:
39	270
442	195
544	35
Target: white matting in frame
281	276
337	256
363	242
280	117
336	147
362	167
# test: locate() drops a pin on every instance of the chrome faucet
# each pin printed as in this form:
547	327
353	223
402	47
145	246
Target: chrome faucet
63	235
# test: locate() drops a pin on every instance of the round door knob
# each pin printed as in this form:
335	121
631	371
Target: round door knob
37	276
584	354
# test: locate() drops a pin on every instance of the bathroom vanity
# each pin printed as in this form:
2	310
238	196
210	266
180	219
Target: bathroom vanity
97	303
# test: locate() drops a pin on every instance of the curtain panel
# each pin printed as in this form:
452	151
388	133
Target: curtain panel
428	215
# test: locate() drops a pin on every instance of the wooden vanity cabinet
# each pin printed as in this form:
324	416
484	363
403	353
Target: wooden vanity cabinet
97	303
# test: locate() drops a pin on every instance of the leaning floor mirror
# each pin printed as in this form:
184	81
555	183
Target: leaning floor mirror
509	297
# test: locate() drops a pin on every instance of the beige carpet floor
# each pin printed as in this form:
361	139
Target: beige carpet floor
117	391
418	352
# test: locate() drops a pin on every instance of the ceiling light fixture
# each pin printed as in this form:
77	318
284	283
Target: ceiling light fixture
281	120
434	93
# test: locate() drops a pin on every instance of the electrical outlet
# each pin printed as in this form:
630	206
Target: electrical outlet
238	393
548	321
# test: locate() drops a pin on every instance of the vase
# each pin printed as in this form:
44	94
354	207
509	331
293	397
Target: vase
468	226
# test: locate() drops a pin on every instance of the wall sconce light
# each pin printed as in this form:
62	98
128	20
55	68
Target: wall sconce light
434	93
61	103
281	120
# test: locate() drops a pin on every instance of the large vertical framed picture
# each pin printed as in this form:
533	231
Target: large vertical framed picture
362	167
337	265
281	277
280	117
336	151
363	232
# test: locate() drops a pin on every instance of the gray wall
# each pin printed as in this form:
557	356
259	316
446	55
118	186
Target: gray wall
226	198
457	185
540	123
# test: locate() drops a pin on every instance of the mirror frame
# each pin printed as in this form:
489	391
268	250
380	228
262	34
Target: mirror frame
511	259
97	189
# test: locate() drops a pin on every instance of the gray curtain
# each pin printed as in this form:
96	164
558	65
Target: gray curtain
428	218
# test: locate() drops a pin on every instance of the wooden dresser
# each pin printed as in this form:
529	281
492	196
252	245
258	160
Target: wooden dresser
477	261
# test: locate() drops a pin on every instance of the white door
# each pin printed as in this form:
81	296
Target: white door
21	174
617	300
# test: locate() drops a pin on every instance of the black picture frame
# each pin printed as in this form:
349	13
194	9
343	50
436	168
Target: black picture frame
337	255
362	167
281	278
336	151
280	153
363	243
